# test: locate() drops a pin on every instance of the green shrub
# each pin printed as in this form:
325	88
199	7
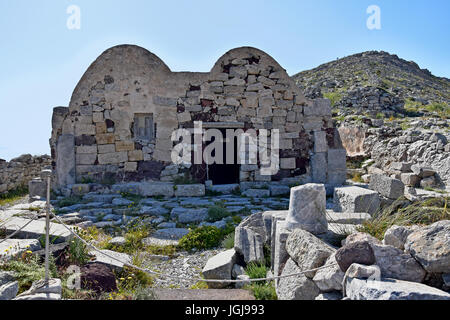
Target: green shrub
256	270
264	291
78	252
228	241
334	97
216	213
69	201
201	238
28	269
13	195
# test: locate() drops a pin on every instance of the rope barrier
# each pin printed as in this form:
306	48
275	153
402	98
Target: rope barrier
184	278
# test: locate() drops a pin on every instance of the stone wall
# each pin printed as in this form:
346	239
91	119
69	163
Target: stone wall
19	171
95	139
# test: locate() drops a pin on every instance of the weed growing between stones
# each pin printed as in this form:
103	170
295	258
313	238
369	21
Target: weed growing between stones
403	212
28	268
132	197
212	193
228	241
78	252
199	285
201	238
262	290
13	195
70	201
216	213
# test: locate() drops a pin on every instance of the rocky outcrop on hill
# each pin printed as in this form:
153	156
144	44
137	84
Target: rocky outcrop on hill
373	82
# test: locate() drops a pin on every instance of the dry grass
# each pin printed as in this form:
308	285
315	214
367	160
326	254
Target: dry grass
403	212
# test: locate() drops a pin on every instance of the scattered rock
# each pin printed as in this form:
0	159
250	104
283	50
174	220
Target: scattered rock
220	267
307	250
42	290
296	287
249	238
355	252
396	235
329	279
388	187
396	264
356	199
116	264
307	208
9	290
334	295
391	289
430	246
98	278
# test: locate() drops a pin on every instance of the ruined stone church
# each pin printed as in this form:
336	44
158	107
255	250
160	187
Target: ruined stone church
123	111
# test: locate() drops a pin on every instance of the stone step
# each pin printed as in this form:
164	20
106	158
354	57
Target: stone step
203	294
35	229
13	247
347	217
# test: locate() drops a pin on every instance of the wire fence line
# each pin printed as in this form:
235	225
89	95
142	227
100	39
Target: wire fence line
191	278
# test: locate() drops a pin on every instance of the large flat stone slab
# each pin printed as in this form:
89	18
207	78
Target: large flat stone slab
35	229
347	217
13	247
101	257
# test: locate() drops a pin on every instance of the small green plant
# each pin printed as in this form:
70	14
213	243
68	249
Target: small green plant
264	291
199	285
78	252
237	219
201	238
69	201
132	196
28	269
52	240
216	213
228	241
334	97
87	180
356	177
13	195
132	283
256	270
212	193
169	250
133	238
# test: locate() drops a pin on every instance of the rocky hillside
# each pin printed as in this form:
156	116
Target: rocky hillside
377	84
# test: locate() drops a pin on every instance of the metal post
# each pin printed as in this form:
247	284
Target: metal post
46	174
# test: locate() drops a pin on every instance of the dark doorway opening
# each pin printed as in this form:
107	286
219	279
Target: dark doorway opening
225	173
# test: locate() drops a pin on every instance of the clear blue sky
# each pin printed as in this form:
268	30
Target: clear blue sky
42	60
